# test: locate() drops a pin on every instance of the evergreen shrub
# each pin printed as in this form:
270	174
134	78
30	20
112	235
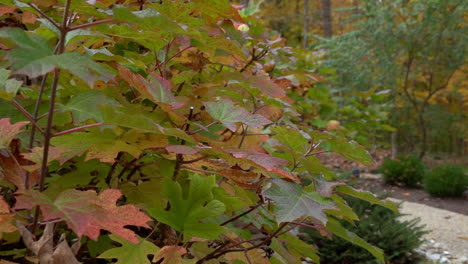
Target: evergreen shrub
406	171
377	225
446	180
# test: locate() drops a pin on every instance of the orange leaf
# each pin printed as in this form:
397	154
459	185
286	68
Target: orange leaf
29	18
5	9
170	255
6	218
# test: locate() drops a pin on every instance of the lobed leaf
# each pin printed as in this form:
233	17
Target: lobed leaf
225	112
130	252
187	213
293	202
86	213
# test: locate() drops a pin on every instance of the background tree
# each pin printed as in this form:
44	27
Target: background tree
414	48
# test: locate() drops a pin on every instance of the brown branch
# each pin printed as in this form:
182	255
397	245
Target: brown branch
75	129
44	15
318	152
203	128
28	116
173	56
113	167
91	24
194	160
241	215
244	133
265	241
180	157
199	170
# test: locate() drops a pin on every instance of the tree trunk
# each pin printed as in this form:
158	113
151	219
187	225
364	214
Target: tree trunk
423	130
394	144
305	39
327	18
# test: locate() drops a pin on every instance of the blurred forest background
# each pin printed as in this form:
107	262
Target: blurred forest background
395	71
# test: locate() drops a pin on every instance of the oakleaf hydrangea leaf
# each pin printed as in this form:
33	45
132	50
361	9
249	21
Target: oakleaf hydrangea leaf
86	213
293	202
130	252
186	214
225	112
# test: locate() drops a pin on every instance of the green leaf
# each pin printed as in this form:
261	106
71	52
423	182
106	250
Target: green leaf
144	195
186	214
129	252
225	112
134	118
350	150
155	88
8	87
313	165
299	248
293	202
30	47
85	106
105	145
34	57
366	196
337	229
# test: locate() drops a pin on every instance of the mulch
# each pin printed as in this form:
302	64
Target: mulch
377	186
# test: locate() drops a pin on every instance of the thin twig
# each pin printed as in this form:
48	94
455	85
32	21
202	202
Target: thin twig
75	129
200	170
44	15
204	128
91	24
28	116
241	215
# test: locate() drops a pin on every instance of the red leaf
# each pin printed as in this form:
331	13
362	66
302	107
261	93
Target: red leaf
9	131
268	87
266	161
155	88
86	213
181	149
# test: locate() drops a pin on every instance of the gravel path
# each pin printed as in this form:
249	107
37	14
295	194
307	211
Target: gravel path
448	228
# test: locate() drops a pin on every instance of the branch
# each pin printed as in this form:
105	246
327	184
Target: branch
180	157
91	24
75	129
199	170
241	215
318	152
265	241
44	15
202	128
28	116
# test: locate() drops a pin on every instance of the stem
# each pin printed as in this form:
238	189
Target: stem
244	133
180	157
112	169
203	128
75	129
50	118
213	254
28	116
318	152
36	118
91	24
241	215
44	15
200	170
